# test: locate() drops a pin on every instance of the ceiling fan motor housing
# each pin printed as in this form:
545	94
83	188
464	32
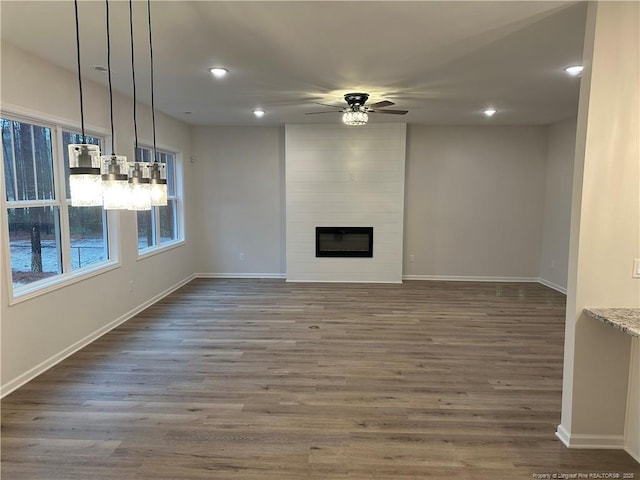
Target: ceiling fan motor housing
356	99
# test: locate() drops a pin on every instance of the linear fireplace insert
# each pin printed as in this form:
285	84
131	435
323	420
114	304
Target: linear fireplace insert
344	241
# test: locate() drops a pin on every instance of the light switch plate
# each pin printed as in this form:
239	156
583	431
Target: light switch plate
636	268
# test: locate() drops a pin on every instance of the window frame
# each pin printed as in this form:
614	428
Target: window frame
178	214
68	275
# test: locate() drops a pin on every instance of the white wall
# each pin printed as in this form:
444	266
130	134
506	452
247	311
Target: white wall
339	176
474	202
38	332
239	197
605	229
554	257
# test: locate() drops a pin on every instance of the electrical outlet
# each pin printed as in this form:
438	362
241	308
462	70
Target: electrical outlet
242	257
131	284
636	268
553	264
412	258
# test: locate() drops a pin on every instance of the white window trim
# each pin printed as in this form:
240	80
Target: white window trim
180	234
151	251
61	280
48	285
41	118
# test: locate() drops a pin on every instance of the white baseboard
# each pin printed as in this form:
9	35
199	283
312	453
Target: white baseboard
552	285
442	278
634	455
446	278
563	435
575	440
42	367
396	282
240	275
455	278
631	431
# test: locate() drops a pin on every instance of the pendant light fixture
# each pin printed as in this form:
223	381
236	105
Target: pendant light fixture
139	186
139	183
115	187
158	170
84	159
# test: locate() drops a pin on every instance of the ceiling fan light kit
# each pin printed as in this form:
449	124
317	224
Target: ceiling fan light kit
357	117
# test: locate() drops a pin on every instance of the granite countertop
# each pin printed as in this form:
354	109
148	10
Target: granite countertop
625	319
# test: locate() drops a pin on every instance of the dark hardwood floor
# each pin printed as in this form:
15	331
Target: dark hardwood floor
260	379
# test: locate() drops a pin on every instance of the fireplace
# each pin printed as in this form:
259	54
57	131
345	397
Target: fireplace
344	242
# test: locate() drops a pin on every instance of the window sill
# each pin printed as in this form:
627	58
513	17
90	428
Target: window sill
29	292
151	251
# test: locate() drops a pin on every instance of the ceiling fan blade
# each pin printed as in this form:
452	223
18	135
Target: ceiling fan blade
326	111
392	112
383	103
327	105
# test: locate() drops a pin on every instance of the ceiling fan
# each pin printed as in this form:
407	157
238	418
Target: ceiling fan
357	112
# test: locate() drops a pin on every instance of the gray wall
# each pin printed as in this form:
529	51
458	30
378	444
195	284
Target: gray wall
239	200
474	201
557	204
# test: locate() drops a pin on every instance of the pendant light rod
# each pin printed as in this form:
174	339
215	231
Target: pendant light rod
113	144
157	170
153	109
133	74
75	4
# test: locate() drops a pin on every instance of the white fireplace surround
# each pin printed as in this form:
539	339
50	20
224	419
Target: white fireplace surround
348	177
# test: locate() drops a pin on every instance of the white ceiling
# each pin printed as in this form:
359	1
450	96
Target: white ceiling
443	61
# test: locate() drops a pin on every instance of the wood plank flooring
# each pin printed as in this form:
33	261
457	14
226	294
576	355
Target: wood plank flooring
260	379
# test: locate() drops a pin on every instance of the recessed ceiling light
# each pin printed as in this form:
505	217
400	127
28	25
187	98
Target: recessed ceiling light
219	72
574	70
258	112
490	112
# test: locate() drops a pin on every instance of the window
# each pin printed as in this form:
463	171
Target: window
47	236
159	226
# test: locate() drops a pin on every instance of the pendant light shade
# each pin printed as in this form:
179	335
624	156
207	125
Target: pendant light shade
139	186
115	185
158	177
84	175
